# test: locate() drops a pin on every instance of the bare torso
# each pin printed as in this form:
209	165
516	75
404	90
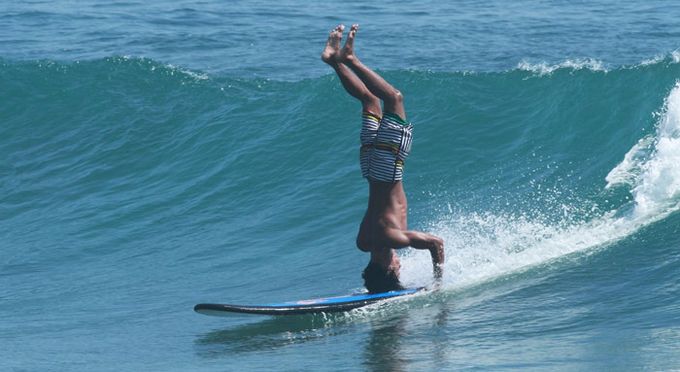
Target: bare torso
387	211
387	208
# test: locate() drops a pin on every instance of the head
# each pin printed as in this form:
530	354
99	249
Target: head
377	279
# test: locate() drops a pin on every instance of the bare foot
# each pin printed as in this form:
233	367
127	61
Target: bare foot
330	52
346	54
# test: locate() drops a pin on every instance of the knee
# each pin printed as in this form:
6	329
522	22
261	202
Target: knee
369	100
396	96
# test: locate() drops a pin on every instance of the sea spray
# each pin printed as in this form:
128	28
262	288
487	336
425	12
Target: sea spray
657	188
485	245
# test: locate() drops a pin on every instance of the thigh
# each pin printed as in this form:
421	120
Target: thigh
369	130
371	104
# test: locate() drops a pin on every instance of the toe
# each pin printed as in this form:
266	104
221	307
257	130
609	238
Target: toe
353	30
337	35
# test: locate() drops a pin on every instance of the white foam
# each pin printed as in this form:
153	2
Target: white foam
674	58
576	64
168	68
654	60
627	171
482	246
543	68
657	187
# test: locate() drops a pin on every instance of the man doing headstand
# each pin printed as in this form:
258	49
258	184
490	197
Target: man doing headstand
385	144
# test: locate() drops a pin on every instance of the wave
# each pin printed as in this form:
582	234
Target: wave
514	169
486	245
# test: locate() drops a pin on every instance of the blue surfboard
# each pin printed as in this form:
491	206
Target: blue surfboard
316	305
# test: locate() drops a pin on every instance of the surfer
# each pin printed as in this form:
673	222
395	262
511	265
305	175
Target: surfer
385	144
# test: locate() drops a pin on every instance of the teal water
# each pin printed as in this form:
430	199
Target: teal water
152	158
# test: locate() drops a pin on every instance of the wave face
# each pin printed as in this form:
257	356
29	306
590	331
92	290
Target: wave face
135	189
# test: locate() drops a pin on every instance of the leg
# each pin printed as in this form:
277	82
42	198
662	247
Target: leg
393	99
356	88
352	84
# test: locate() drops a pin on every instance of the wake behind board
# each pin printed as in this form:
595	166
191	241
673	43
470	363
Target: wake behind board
317	305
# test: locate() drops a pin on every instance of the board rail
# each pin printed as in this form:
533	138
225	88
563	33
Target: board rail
318	305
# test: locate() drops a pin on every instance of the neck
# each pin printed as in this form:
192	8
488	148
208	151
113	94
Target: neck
385	258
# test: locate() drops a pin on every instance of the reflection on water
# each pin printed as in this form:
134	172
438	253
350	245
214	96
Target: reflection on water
383	348
270	334
389	344
392	329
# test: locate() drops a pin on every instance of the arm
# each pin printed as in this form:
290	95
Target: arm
435	245
421	240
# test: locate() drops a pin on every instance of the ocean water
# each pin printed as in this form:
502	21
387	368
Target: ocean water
154	155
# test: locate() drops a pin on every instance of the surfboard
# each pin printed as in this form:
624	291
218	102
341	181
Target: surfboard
316	305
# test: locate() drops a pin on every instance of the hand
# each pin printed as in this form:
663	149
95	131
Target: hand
437	253
421	240
438	271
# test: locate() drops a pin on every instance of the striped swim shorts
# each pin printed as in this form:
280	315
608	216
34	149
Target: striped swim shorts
385	144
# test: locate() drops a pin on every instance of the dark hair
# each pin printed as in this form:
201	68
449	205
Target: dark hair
378	279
